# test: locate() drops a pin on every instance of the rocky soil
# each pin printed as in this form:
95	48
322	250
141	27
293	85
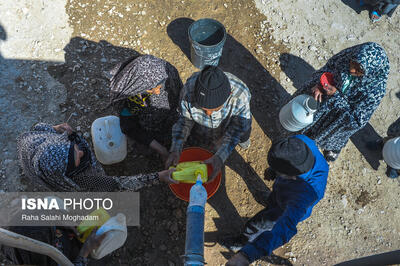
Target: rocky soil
53	63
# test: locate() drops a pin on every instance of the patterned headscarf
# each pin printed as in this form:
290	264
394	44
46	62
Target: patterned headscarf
374	63
136	76
43	156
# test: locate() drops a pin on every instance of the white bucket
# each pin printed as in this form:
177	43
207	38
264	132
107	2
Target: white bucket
298	113
110	145
116	231
391	153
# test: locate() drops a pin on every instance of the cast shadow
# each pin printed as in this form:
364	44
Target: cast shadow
230	219
299	71
267	94
3	33
394	129
253	182
398	94
354	4
361	139
211	238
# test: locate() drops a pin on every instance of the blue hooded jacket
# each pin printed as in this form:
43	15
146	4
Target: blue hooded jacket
295	199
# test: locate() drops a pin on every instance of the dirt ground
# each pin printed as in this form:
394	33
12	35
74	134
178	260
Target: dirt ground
53	63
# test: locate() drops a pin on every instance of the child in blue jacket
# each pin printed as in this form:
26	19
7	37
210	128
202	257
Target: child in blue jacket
301	175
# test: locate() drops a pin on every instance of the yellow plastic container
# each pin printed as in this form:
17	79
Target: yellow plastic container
86	227
187	172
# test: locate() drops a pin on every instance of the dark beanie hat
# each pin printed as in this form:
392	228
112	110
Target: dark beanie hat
212	88
290	156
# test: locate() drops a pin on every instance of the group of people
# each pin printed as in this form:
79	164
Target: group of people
212	110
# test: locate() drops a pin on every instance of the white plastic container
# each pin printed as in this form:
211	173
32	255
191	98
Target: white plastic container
110	145
116	231
298	113
391	153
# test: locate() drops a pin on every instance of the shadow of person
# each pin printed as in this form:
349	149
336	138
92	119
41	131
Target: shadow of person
230	219
3	33
253	182
296	68
394	129
211	238
354	4
398	94
361	139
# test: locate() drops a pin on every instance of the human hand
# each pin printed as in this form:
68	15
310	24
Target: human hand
238	260
165	176
216	164
173	159
160	149
91	243
61	128
329	89
317	93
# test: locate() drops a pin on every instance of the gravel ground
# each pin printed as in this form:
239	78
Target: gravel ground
52	62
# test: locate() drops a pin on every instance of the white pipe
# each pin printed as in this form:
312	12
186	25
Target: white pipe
12	239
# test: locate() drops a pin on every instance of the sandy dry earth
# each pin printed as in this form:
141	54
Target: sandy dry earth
272	46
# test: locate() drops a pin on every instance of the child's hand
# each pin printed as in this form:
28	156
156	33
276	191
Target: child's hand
317	93
329	89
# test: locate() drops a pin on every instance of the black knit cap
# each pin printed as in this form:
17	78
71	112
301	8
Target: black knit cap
290	156
212	88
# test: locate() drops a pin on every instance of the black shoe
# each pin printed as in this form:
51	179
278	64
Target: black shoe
234	244
331	156
392	173
269	174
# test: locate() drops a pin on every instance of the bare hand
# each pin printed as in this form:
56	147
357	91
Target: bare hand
238	260
216	164
160	149
165	176
173	159
61	128
317	93
329	89
91	243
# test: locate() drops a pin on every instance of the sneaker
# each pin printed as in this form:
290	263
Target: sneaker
234	244
245	145
331	156
269	174
392	173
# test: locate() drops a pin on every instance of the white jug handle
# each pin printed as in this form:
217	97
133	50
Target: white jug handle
306	107
107	129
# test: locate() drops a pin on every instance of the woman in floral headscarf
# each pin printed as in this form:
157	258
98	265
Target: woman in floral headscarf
146	93
58	159
360	75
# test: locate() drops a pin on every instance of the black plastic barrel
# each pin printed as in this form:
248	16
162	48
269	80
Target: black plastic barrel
207	37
